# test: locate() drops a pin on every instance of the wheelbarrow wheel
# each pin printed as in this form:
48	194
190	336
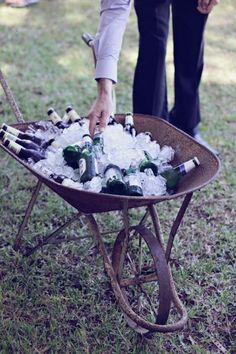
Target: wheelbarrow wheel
142	273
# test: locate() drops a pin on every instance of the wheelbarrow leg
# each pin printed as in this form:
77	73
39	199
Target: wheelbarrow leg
176	224
18	239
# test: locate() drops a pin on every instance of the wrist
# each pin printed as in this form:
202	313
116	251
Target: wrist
105	87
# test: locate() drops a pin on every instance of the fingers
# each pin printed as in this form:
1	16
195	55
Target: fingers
92	122
206	6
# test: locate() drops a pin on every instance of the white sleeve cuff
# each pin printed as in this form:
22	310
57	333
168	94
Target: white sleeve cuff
106	68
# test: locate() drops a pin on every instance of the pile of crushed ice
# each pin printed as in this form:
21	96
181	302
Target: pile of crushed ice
120	148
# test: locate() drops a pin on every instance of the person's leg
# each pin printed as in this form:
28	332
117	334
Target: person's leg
188	30
149	88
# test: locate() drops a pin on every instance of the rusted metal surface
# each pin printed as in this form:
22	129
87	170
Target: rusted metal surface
120	252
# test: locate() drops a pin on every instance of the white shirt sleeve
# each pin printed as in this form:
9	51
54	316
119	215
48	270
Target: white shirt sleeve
107	44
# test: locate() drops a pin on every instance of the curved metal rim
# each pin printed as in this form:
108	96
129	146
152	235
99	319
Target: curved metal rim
160	263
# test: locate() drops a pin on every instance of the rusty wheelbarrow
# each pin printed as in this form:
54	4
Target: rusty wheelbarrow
138	268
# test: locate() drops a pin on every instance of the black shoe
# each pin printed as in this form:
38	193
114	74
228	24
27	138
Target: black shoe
201	141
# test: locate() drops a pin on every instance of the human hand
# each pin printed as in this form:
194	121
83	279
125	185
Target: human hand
206	6
102	106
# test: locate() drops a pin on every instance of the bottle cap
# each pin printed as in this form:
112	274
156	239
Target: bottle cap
196	161
68	109
50	111
2	133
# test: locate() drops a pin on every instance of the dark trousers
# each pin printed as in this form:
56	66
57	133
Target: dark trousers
149	89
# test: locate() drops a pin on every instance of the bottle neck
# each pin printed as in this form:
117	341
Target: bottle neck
55	118
9	136
11	130
73	116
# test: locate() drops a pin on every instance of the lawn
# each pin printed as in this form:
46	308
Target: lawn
60	300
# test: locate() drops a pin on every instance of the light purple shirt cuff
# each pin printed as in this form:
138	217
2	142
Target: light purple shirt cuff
106	68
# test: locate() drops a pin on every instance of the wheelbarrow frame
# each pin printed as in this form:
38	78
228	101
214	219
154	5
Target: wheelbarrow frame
160	253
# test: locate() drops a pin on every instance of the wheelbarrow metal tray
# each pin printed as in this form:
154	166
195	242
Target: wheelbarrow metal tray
165	134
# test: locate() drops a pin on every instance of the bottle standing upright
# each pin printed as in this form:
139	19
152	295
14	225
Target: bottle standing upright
73	116
129	124
87	161
113	180
22	152
148	163
175	174
56	119
132	179
71	154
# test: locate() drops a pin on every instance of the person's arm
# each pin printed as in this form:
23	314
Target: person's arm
107	46
206	6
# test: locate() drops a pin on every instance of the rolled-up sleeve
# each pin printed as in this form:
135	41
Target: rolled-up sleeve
108	40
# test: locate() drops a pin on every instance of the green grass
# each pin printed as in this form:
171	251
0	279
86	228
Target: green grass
60	300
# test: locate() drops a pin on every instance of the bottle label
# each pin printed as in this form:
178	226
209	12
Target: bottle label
10	137
87	139
82	166
129	120
55	118
73	115
16	148
66	118
111	174
187	167
13	131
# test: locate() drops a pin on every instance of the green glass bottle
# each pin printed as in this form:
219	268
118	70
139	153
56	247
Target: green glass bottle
133	182
71	154
98	144
129	124
22	152
148	163
113	180
21	135
56	119
175	174
87	161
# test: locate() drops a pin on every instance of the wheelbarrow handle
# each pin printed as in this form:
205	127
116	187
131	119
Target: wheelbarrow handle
88	39
11	99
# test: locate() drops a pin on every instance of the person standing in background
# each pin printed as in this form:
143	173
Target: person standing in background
20	3
149	88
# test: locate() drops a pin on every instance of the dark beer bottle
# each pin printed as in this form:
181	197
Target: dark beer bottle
113	180
25	143
22	152
73	116
133	181
148	163
21	135
129	124
65	181
87	161
56	119
112	120
175	174
71	154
